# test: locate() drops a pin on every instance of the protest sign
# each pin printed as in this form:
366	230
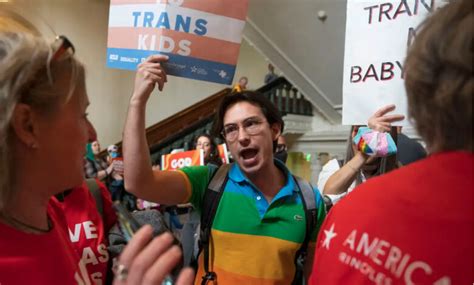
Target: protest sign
378	33
201	38
223	154
179	160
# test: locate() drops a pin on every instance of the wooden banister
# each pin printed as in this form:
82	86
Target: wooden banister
185	118
180	121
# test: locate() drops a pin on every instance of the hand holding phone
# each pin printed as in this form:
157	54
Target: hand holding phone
129	226
150	260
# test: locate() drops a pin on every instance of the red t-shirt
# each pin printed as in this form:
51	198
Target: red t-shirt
86	228
411	226
48	258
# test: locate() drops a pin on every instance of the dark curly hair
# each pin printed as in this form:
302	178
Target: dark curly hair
268	109
214	157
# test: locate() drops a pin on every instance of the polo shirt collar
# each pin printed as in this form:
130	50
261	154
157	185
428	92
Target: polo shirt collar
238	176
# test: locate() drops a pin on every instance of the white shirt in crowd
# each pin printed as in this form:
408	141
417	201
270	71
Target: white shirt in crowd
329	169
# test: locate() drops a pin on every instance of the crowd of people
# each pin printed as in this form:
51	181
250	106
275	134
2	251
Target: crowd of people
391	223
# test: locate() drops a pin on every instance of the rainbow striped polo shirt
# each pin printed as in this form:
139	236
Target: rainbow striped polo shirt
253	241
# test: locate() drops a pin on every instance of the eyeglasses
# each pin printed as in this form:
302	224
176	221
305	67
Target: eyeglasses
64	46
252	126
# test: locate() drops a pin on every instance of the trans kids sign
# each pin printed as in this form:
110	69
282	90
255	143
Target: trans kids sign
201	38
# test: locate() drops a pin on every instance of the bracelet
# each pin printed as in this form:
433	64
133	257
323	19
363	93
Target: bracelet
351	167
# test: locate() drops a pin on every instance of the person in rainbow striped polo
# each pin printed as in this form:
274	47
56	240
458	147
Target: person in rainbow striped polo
260	221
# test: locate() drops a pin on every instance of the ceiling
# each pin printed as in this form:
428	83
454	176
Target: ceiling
309	51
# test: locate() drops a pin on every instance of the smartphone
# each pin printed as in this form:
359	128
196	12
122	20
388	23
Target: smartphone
129	225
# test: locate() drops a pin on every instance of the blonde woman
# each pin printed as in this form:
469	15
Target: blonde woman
43	120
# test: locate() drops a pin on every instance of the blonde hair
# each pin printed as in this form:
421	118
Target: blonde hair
27	76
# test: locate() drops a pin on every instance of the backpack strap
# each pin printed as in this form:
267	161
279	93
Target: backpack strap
310	208
95	191
210	203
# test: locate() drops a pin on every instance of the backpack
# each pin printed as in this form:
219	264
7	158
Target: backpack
211	201
95	191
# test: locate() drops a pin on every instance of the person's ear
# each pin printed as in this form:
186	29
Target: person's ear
276	131
24	125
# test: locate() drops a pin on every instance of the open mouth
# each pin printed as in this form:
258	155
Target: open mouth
249	155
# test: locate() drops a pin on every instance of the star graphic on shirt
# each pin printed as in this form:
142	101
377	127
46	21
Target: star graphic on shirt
222	74
330	234
193	69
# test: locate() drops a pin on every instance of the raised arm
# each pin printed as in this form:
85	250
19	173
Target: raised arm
164	187
340	181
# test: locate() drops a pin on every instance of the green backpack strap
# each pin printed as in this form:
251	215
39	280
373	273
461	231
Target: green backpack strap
310	208
95	191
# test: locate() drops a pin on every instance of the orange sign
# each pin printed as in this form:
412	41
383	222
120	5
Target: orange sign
179	160
118	165
223	154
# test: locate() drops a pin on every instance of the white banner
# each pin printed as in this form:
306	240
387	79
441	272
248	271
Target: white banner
378	33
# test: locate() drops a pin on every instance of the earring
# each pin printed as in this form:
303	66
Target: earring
33	145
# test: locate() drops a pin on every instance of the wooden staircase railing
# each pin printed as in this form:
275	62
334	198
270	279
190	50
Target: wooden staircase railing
184	119
158	132
286	97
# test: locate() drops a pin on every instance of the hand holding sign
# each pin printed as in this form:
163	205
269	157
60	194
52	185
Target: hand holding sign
201	38
381	122
149	73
